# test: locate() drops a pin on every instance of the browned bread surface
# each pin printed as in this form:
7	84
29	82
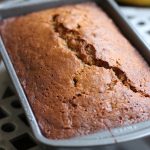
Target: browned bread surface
79	72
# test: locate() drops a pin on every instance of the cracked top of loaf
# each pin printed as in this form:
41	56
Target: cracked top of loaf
80	74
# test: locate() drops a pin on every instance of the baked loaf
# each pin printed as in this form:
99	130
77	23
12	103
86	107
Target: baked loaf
80	74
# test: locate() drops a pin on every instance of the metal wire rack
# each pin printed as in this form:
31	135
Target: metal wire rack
140	20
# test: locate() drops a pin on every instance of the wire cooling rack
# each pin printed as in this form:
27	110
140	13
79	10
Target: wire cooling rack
15	132
140	20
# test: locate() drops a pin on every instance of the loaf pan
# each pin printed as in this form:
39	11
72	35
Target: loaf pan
112	136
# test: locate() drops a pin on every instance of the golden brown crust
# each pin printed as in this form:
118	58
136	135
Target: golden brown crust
78	71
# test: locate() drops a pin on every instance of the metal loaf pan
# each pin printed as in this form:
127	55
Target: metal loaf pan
100	138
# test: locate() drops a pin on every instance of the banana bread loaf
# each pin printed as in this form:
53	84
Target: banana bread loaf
79	72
